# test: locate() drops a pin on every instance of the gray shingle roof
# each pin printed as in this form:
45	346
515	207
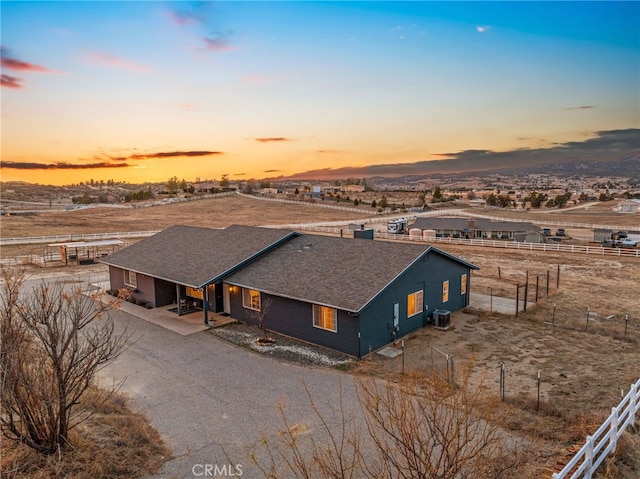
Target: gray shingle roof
460	224
196	256
343	273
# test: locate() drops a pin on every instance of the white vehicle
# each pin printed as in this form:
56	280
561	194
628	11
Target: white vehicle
397	226
628	243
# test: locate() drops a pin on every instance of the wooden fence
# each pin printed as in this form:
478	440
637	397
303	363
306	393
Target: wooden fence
74	237
604	440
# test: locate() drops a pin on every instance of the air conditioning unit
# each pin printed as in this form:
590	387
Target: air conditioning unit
442	318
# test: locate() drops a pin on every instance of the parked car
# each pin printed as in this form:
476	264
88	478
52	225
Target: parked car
628	243
561	232
546	231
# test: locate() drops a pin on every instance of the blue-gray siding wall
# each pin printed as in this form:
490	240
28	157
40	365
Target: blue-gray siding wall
427	274
295	318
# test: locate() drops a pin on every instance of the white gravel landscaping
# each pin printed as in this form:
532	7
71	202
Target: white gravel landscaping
285	348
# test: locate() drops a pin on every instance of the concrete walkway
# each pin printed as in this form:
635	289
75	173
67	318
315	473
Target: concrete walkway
495	304
184	325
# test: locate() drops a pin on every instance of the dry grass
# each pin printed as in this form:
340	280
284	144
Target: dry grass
114	443
210	213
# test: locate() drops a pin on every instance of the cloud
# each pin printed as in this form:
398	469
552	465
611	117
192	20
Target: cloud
482	28
107	59
272	171
172	154
256	79
218	44
8	81
184	18
603	145
272	139
329	152
583	107
19	65
203	18
17	165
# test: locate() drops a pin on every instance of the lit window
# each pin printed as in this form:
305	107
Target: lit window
445	291
463	284
130	279
414	303
325	318
251	299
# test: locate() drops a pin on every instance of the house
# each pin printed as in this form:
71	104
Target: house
471	228
628	206
351	295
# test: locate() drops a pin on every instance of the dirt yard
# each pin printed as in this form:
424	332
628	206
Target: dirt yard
583	366
582	373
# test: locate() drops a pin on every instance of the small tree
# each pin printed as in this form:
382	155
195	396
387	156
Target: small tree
437	195
54	342
172	185
260	318
224	182
384	202
249	187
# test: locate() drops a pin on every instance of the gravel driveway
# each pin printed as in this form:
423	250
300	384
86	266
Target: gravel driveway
212	399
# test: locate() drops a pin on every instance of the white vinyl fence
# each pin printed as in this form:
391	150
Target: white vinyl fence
604	440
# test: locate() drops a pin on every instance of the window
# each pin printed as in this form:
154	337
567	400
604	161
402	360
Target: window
445	291
414	303
463	284
251	299
130	279
325	318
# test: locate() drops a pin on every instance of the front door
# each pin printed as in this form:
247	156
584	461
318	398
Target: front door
226	301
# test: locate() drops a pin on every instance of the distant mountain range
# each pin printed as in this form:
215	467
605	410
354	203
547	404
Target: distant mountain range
612	152
627	165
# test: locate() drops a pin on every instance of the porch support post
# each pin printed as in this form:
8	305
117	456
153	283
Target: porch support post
205	304
178	299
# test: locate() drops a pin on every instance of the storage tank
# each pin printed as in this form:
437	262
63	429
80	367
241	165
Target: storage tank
428	234
415	233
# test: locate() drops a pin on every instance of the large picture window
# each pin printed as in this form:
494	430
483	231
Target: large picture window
325	318
445	291
251	299
414	303
130	279
463	284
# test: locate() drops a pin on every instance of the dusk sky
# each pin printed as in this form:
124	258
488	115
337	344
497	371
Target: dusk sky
143	91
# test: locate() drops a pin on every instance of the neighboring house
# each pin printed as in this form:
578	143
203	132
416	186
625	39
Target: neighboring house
479	228
628	206
351	295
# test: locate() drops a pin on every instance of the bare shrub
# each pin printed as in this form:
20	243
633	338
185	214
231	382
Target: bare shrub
54	342
416	428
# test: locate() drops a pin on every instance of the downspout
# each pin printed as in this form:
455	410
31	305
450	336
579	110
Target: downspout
205	304
359	340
